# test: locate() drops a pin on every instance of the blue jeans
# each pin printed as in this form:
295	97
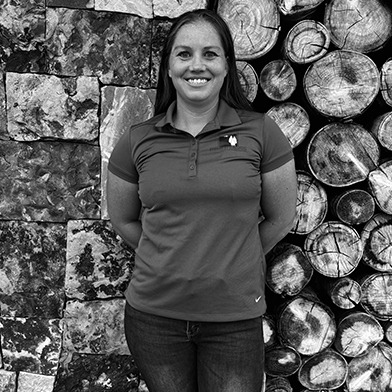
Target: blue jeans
186	356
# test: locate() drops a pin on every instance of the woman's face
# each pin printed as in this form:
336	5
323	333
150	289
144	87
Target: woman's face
197	64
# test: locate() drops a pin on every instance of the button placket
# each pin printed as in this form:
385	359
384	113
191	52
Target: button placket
192	165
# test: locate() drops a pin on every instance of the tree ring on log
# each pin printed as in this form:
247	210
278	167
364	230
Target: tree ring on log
293	120
288	270
342	84
282	361
342	154
325	370
354	206
376	237
312	204
254	26
363	25
306	325
249	79
306	42
377	295
382	129
278	80
334	249
357	333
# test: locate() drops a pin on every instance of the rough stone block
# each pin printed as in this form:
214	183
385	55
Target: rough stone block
174	8
121	108
115	47
46	106
7	381
53	182
30	344
98	373
23	23
29	382
95	327
32	269
99	264
141	8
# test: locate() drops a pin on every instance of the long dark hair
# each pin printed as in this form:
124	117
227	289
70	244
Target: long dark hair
231	90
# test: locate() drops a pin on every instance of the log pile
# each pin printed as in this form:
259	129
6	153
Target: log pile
324	70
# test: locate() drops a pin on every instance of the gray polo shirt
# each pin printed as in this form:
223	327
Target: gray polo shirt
199	257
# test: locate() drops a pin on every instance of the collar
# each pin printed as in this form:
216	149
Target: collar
225	117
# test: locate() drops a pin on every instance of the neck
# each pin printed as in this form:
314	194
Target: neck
194	119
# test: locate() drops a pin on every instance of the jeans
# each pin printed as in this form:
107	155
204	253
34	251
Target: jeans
186	356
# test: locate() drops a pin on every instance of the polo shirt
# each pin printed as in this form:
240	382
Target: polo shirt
199	257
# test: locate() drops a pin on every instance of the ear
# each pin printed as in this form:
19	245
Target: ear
169	73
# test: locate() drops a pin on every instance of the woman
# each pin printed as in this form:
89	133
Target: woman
185	190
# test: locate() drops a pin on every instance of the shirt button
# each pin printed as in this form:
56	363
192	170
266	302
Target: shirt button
193	154
192	167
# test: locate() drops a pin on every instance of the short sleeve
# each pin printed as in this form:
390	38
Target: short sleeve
276	148
121	162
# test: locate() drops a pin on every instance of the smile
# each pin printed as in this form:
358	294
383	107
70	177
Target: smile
197	81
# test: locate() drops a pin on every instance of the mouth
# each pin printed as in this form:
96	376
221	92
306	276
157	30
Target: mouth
197	81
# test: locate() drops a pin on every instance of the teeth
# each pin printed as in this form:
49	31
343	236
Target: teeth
197	81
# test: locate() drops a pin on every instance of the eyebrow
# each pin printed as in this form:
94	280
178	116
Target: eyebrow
189	47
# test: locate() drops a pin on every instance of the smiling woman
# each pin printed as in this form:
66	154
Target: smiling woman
185	189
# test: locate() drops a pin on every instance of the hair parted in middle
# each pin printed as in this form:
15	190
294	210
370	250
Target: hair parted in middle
231	90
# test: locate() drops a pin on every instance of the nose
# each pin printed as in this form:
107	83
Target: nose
197	63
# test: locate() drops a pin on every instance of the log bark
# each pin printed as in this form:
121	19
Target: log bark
325	370
294	9
372	372
386	82
377	295
334	249
356	333
345	292
376	237
293	120
306	42
254	26
306	325
282	361
342	154
382	129
353	206
248	78
288	270
380	183
312	204
363	25
278	80
342	84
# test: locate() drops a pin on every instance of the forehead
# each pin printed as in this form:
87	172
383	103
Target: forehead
197	33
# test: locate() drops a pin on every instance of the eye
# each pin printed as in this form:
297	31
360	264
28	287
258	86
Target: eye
184	54
210	54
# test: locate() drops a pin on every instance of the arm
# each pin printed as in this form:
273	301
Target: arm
278	204
124	209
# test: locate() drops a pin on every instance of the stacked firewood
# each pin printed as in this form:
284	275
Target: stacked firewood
323	71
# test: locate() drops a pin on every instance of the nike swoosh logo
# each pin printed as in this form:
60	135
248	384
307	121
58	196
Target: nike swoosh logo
257	299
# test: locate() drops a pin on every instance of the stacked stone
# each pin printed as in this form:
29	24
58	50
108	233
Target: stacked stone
75	75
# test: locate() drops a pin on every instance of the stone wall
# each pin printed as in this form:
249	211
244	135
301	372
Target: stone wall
74	75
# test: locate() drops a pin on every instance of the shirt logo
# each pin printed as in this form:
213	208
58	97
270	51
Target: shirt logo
258	299
228	140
